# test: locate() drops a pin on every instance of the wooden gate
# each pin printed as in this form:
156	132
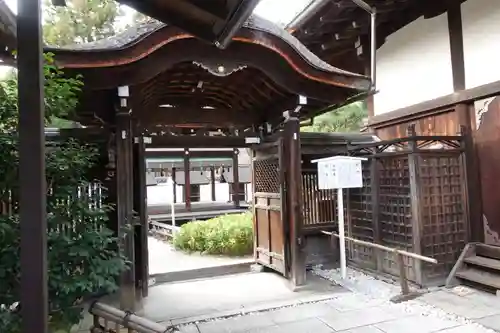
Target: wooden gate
271	233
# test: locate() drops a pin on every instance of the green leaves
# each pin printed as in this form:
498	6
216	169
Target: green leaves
229	234
345	119
61	96
81	21
82	255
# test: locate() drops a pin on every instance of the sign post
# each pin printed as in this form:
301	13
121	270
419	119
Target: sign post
340	172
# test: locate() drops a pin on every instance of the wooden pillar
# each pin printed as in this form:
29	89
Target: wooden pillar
124	203
174	185
236	179
187	180
294	198
473	182
456	45
416	207
464	111
140	206
375	199
212	184
33	187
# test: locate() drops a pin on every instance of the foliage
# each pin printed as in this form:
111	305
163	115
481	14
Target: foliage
139	17
56	122
345	119
81	21
61	95
82	252
228	234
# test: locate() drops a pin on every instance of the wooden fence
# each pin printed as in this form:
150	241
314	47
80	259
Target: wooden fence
414	198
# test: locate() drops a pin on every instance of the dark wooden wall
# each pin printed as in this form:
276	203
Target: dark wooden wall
487	145
446	122
485	152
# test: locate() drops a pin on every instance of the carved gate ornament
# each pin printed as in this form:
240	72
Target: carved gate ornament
481	107
218	69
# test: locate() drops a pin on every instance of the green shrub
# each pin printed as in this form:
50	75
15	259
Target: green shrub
82	256
228	234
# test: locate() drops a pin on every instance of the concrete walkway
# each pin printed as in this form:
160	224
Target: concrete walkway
198	300
365	308
348	313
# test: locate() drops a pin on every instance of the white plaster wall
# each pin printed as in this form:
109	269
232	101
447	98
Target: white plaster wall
481	31
163	193
414	65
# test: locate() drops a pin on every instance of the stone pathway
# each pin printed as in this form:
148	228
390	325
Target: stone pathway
367	309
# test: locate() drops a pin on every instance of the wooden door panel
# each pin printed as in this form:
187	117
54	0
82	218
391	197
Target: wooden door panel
270	230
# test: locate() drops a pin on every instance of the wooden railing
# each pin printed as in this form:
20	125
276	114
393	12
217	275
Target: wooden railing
108	319
406	294
162	229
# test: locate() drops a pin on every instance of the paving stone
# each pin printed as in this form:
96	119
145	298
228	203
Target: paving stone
364	329
311	325
359	318
237	324
301	312
349	302
462	306
416	324
192	328
492	322
469	328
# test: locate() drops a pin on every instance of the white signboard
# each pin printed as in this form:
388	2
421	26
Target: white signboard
339	172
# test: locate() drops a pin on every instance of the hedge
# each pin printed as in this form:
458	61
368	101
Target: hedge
227	235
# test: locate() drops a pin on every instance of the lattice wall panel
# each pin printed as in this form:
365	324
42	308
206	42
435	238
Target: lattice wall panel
443	212
395	221
266	175
361	220
319	205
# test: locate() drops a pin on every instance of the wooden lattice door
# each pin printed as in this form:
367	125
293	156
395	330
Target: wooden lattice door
271	235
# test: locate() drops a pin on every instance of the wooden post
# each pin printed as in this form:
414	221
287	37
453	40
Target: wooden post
140	206
403	281
375	197
187	180
416	207
174	186
212	184
124	204
33	187
236	179
294	202
473	194
456	45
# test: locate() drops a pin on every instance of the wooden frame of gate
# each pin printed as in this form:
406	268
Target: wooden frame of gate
277	201
271	233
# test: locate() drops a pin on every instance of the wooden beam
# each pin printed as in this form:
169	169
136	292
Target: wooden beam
440	103
33	187
181	153
456	46
186	141
197	116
